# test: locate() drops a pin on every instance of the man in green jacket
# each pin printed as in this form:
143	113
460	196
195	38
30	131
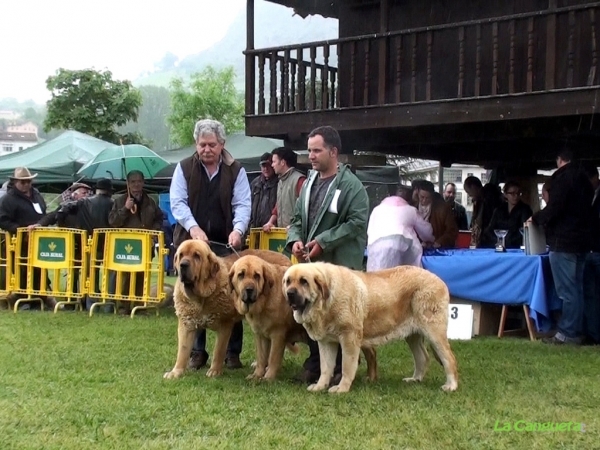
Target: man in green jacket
330	220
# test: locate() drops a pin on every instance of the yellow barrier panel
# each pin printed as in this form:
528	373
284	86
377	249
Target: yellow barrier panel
50	262
274	240
6	257
123	269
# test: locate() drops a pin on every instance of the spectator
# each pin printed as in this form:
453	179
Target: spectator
569	218
485	200
288	188
393	234
264	193
437	212
458	211
511	216
92	214
134	209
23	205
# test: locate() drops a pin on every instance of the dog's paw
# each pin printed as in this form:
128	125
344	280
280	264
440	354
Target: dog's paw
214	372
316	387
339	389
450	387
412	380
254	376
175	373
269	376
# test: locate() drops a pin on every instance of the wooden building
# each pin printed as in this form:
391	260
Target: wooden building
472	81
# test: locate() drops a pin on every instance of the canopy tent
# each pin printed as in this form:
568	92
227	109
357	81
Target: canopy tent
55	161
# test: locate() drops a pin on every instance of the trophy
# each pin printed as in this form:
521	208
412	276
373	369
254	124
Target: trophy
522	231
500	245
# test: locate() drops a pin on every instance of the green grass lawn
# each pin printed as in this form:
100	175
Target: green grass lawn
73	382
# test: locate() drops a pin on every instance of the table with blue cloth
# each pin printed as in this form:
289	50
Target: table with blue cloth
510	278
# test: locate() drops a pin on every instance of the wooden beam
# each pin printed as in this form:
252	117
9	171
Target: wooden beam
491	109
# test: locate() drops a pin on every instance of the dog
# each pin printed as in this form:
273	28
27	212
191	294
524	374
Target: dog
255	286
336	304
202	299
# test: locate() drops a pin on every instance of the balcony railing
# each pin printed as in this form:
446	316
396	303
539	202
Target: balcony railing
555	49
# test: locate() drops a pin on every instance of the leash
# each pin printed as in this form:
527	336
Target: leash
306	253
228	246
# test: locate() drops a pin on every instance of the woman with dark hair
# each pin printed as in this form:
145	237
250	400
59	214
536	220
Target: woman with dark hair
509	216
438	213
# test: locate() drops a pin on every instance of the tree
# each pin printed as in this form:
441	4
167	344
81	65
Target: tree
210	94
92	102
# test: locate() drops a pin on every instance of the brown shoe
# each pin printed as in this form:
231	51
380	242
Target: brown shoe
233	362
307	377
197	360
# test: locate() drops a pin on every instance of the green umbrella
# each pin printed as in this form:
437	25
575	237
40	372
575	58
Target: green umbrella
117	161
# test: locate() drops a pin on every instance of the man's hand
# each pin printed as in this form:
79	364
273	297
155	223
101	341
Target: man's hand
197	233
427	245
129	203
31	227
314	249
267	227
436	245
298	250
235	239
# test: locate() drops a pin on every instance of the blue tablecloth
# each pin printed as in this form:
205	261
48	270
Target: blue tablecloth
487	276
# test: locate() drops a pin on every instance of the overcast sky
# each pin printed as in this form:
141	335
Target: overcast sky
125	36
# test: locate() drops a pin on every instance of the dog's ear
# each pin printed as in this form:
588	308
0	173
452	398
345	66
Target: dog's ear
231	275
269	279
322	285
213	264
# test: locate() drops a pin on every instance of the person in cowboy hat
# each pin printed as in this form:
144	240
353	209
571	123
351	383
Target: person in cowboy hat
23	205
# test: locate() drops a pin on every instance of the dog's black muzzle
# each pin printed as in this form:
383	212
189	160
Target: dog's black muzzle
249	295
185	274
295	300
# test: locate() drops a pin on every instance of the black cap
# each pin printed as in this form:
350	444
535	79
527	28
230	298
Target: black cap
105	184
266	158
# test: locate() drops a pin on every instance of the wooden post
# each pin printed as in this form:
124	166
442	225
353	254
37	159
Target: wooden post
551	47
383	41
250	72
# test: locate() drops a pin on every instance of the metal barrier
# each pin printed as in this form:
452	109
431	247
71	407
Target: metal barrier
273	240
6	257
50	262
123	268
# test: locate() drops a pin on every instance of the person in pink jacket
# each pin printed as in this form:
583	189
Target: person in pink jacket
393	235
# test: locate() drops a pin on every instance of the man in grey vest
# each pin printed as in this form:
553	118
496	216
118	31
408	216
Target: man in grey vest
210	199
288	188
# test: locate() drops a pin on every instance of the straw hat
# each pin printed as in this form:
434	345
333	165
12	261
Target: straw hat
23	173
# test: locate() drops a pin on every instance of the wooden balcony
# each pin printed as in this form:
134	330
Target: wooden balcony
525	66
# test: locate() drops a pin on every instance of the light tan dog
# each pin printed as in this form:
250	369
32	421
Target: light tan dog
202	300
336	304
255	285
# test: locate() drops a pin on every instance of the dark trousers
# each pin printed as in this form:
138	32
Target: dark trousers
313	362
234	347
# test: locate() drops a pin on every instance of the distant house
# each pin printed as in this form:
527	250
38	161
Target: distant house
27	127
15	142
